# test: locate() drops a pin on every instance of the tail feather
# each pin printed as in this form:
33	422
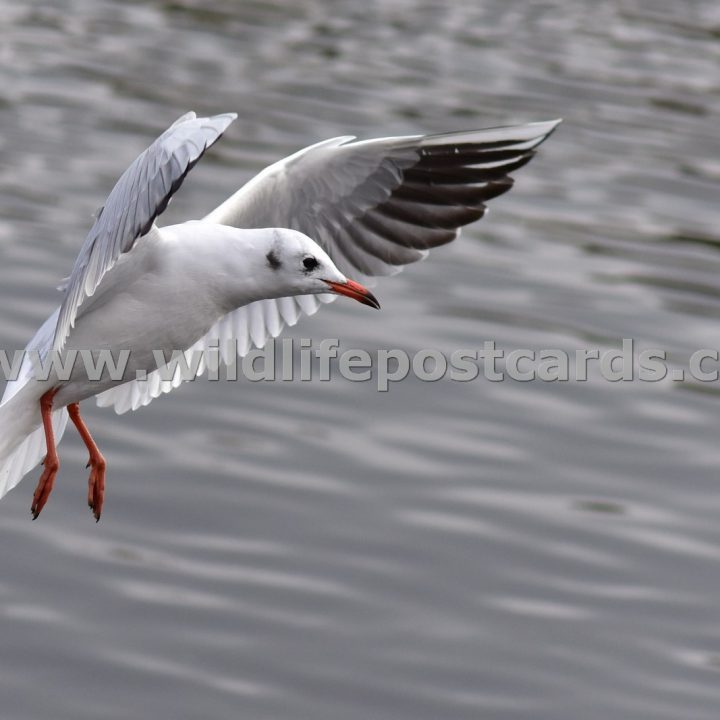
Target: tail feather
22	440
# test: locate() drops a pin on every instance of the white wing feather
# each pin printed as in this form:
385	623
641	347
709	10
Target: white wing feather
236	333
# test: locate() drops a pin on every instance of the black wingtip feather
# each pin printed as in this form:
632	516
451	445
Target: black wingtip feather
444	217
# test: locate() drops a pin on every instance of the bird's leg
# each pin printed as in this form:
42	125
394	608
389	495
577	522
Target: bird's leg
51	463
96	482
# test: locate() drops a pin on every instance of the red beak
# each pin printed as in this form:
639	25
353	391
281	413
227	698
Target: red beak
356	291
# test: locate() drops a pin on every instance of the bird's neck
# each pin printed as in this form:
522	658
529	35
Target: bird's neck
225	265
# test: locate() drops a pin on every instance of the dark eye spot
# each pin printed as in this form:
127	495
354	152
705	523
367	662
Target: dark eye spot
273	261
310	263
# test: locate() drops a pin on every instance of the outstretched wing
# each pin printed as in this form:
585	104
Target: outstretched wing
139	196
376	205
373	205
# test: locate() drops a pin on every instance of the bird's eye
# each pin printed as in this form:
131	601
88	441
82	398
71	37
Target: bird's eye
310	263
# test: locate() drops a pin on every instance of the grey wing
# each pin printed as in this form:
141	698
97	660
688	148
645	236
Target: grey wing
377	205
373	205
139	196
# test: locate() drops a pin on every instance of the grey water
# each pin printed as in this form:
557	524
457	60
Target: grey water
322	551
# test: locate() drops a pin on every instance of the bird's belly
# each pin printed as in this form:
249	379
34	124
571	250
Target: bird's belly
127	337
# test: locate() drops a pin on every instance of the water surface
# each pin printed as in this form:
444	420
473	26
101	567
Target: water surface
322	551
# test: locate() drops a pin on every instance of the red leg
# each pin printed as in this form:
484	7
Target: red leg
96	482
51	462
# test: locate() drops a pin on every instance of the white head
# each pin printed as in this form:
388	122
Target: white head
283	262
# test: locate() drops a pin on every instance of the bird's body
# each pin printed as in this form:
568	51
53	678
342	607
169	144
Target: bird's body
139	292
164	296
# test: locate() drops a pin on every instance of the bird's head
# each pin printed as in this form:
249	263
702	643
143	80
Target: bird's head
299	266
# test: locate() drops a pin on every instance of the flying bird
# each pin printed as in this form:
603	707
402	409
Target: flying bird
271	252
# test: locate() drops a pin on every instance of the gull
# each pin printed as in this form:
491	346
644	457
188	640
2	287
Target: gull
273	251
